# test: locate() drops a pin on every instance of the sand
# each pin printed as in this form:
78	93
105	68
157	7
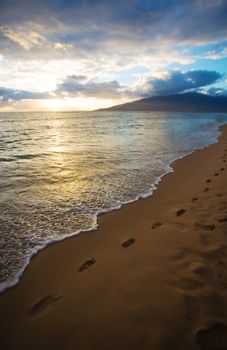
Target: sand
153	276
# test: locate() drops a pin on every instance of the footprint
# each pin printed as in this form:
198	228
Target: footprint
221	263
206	227
221	272
221	275
156	225
215	252
216	174
181	254
203	271
213	337
129	242
208	180
87	264
194	199
206	189
224	219
222	169
188	283
180	212
43	304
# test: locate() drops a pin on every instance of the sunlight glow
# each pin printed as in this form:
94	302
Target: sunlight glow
55	105
77	104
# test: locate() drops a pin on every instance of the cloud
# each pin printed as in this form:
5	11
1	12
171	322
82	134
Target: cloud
9	95
72	86
89	36
62	46
183	19
178	82
26	39
90	25
30	36
49	45
75	86
215	91
81	85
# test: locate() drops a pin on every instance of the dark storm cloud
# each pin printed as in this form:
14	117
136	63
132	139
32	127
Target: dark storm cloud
178	82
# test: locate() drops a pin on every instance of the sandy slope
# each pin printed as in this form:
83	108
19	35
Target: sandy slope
167	289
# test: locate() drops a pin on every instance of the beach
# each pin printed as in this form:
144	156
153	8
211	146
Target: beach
152	276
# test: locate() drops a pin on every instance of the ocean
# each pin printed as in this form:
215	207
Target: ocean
59	171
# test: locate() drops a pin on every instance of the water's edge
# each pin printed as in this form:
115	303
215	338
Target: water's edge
4	286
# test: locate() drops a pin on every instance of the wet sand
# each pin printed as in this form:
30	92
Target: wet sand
153	276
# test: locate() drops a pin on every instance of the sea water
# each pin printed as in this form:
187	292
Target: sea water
58	171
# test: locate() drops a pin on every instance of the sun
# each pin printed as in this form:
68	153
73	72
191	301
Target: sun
55	104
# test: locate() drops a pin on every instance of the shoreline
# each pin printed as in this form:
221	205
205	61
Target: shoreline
8	284
56	306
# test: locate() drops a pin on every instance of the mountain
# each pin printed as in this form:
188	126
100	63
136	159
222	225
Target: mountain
188	102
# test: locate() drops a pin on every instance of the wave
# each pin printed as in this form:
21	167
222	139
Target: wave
7	159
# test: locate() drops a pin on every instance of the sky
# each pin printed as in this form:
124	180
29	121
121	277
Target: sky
87	54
